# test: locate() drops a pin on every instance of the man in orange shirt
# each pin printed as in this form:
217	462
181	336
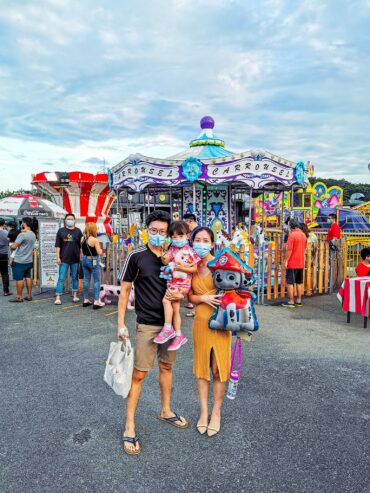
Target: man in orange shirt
295	259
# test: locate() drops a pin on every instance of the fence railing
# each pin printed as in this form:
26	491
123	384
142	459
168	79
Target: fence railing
324	269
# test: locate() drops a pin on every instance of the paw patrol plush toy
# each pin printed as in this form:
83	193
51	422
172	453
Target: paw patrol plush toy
234	279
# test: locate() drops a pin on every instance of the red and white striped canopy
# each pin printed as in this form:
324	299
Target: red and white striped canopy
87	196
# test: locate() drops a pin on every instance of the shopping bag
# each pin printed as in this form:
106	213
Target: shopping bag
119	367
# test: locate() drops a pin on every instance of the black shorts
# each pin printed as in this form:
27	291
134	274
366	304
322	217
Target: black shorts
294	276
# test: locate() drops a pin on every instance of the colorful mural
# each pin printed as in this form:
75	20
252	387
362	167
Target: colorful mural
325	197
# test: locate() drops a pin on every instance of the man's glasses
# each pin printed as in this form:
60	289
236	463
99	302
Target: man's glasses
155	231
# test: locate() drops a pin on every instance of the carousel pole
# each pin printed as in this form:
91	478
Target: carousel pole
231	216
194	201
171	211
250	209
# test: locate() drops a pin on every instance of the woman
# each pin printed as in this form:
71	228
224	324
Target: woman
91	251
212	348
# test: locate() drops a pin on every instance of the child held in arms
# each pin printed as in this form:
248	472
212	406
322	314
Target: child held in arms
181	263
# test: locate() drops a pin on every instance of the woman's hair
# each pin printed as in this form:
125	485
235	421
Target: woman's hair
178	228
207	230
91	230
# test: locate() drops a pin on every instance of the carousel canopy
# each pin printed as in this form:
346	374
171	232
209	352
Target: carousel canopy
31	206
208	161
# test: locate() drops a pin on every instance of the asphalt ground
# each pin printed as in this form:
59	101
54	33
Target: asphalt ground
300	422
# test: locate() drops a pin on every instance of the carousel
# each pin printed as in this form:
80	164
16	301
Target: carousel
206	180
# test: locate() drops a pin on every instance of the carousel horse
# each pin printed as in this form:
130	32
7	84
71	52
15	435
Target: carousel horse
240	238
222	240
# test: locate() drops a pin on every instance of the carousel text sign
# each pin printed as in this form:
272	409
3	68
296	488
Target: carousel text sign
258	168
153	171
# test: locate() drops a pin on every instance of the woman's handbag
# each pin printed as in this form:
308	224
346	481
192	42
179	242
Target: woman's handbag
119	367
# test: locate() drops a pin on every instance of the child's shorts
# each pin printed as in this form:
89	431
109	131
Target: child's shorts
184	289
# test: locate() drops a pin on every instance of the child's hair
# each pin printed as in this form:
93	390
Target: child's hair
179	228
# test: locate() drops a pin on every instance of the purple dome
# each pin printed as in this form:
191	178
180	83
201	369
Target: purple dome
207	122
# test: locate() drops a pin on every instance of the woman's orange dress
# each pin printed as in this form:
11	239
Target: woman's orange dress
206	339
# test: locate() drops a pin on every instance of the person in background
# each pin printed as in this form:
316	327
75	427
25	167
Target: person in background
13	232
91	250
23	260
363	268
68	255
295	259
191	221
334	231
4	251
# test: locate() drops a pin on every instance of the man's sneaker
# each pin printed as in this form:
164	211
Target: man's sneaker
288	305
177	343
164	336
298	303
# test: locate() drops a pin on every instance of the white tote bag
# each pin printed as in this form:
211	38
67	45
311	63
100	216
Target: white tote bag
119	367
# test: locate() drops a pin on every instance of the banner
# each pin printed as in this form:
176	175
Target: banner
48	266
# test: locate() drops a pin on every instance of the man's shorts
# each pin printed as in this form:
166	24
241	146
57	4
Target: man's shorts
294	276
146	349
22	271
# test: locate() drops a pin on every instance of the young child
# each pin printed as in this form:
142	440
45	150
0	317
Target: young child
181	262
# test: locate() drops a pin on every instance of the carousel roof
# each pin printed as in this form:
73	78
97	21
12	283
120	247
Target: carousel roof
207	161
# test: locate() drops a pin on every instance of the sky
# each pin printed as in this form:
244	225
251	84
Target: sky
86	83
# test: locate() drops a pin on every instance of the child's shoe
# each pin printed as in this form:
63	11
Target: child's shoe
165	335
177	343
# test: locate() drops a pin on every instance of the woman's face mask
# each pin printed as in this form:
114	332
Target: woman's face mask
202	249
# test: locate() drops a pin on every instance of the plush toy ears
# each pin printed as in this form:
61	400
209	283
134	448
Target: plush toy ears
228	260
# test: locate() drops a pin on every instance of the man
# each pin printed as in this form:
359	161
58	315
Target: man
13	232
4	250
23	260
142	266
363	268
191	220
295	258
68	255
334	231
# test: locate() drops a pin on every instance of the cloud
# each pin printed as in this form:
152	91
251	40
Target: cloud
81	81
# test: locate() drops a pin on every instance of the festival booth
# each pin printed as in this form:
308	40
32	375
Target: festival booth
86	195
206	179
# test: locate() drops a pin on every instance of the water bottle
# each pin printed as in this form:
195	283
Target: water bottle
233	385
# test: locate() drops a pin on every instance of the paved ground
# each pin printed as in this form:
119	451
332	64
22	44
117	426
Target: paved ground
300	423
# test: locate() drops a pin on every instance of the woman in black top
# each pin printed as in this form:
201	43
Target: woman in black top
91	251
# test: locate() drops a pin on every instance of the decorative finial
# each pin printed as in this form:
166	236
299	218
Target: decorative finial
207	122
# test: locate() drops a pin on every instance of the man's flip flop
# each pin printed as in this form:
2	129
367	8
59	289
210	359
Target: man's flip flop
172	420
134	441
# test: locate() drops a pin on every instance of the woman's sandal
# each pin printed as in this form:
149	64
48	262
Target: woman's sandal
172	420
202	429
28	298
211	432
86	303
134	441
